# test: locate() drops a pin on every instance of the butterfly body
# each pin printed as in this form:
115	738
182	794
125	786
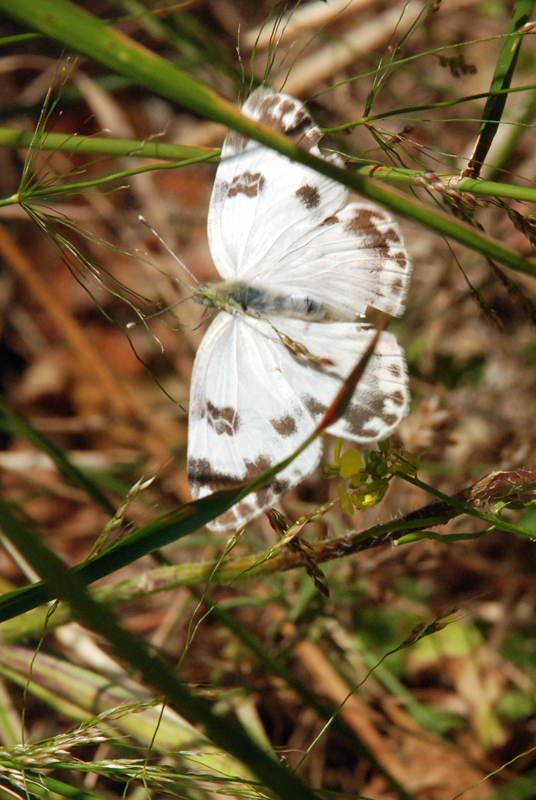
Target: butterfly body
236	296
300	266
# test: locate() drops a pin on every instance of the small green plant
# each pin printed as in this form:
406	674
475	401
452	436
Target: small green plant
368	476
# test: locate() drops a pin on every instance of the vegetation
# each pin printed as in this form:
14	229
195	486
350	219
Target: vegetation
307	656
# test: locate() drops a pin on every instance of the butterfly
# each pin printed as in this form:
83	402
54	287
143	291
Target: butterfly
300	266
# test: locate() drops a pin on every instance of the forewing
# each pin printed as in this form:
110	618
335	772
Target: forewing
349	261
281	226
245	417
262	202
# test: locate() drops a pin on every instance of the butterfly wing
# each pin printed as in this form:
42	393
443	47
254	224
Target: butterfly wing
253	403
244	418
262	201
381	398
276	224
349	261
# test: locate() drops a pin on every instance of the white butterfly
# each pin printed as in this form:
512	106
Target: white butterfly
296	259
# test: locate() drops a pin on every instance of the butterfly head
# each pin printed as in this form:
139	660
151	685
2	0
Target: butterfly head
230	296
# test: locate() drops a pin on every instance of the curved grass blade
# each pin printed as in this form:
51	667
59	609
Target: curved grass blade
184	520
494	489
69	586
405	110
62	22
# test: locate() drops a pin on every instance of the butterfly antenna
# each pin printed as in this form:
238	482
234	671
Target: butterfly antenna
168	248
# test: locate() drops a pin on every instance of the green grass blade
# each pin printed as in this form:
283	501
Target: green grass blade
464	508
328	713
163	531
183	521
69	587
48	785
186	154
104	145
18	426
62	22
502	79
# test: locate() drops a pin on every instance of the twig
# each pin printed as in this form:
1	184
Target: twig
488	490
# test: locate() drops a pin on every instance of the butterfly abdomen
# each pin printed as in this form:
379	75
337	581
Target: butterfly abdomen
233	296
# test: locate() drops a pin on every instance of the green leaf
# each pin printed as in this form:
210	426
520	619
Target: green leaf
350	462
